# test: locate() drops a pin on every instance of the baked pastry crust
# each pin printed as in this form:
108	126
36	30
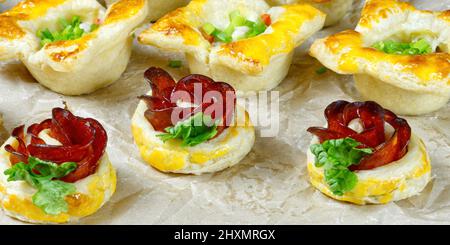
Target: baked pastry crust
253	64
405	84
395	181
334	9
92	193
158	8
215	155
72	67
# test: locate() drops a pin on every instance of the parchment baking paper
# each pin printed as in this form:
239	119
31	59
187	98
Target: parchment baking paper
270	186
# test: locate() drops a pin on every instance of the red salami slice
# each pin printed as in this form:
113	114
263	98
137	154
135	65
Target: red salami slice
373	117
200	91
83	140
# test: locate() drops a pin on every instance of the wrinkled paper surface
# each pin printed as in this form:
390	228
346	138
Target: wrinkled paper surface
270	186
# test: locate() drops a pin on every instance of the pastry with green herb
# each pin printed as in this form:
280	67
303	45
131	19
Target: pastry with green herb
56	171
366	155
72	47
192	126
398	55
245	42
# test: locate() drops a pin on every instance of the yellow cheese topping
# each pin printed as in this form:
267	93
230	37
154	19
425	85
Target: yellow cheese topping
183	22
80	205
123	9
25	10
260	49
348	45
445	15
376	10
171	156
69	48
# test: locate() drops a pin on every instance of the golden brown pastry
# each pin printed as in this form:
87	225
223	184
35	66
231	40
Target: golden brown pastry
72	47
335	9
398	55
245	42
158	8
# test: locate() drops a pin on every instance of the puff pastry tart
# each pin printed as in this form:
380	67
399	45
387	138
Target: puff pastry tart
158	8
399	56
335	9
191	127
72	47
56	171
242	41
366	155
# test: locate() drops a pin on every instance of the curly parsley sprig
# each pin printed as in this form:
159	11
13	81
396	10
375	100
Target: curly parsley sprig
42	175
336	156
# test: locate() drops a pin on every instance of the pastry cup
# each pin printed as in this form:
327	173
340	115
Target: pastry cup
405	84
335	9
72	67
395	181
158	8
92	193
215	155
253	64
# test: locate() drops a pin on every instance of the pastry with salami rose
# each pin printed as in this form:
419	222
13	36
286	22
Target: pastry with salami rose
56	171
191	127
367	155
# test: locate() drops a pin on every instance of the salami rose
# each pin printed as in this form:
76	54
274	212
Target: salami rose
82	140
373	118
197	90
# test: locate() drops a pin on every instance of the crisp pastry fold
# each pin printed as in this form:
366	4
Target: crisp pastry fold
407	84
78	66
158	8
366	155
154	116
249	64
334	9
91	189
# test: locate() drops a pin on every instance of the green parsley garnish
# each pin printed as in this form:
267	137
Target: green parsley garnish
41	175
418	47
336	156
175	63
68	31
321	70
192	131
236	20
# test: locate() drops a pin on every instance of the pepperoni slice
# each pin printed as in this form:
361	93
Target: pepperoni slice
373	118
217	99
82	140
